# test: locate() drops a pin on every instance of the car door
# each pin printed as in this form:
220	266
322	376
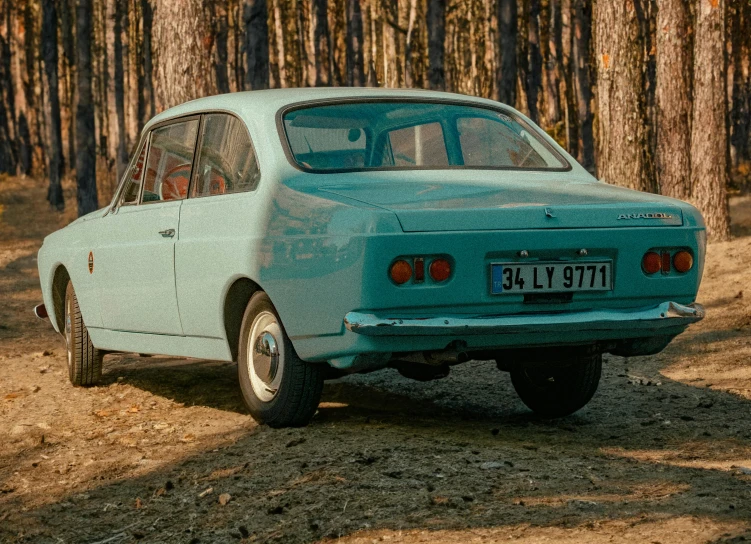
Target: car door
217	224
135	261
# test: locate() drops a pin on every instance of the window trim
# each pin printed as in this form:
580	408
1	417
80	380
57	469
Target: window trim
199	148
567	167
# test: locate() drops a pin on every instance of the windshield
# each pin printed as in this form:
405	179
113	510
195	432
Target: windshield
379	135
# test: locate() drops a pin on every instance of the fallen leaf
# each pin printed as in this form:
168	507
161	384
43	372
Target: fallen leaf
134	409
439	500
102	413
224	498
139	504
159	492
188	438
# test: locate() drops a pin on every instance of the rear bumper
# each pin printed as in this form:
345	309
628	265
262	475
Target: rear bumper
649	321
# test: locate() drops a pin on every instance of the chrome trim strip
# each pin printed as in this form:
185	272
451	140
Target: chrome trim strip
665	315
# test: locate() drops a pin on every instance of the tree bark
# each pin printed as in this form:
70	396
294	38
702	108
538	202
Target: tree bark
122	149
255	17
436	39
550	32
281	55
673	99
321	42
147	15
8	161
49	53
67	23
709	164
534	72
580	50
355	66
221	34
740	113
623	155
409	52
182	41
85	146
507	30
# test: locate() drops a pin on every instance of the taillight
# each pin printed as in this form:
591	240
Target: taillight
683	261
400	272
440	270
651	263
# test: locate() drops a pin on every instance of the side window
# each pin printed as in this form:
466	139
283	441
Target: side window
418	145
133	181
170	159
226	162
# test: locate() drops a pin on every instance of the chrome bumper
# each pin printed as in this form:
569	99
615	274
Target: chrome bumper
650	319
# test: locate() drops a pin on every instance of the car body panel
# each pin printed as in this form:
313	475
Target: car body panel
320	246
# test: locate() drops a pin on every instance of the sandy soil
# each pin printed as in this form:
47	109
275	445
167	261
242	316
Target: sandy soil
163	451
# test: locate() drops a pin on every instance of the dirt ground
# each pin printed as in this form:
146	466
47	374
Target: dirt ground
164	451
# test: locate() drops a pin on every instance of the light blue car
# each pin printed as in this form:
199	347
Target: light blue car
308	234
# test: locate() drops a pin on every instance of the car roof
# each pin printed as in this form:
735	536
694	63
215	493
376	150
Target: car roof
270	101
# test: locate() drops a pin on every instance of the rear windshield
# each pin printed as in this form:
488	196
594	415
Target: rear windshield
380	135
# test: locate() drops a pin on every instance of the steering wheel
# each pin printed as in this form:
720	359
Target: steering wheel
175	183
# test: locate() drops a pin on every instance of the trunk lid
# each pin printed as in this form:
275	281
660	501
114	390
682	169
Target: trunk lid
505	201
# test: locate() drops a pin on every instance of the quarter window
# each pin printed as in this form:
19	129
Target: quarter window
133	181
170	159
226	163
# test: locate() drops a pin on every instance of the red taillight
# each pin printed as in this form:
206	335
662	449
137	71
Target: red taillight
651	263
400	272
440	270
683	261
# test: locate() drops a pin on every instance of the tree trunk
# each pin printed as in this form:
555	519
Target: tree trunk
624	139
147	15
281	55
580	50
321	42
85	146
550	32
673	96
67	23
49	53
355	66
740	116
122	150
709	164
255	18
8	162
436	38
221	34
534	72
507	30
408	54
182	42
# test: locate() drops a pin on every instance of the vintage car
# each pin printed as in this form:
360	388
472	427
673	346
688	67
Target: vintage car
312	233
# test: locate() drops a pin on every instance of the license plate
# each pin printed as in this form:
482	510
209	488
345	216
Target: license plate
558	277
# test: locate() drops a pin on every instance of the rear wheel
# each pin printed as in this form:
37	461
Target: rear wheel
279	388
84	360
557	391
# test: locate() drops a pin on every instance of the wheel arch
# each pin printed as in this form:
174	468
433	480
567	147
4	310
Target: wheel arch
235	302
60	281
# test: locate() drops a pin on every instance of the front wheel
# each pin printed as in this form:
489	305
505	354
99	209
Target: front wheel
558	391
84	360
279	388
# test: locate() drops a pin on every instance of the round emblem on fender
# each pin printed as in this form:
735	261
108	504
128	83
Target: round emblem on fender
91	262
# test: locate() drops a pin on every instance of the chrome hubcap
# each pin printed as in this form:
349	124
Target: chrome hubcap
265	356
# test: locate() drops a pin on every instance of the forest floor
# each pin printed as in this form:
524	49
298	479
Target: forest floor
164	451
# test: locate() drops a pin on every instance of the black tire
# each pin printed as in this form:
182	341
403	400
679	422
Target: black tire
558	391
84	360
284	393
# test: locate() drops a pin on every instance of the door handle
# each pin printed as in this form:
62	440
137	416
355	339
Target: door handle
169	233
